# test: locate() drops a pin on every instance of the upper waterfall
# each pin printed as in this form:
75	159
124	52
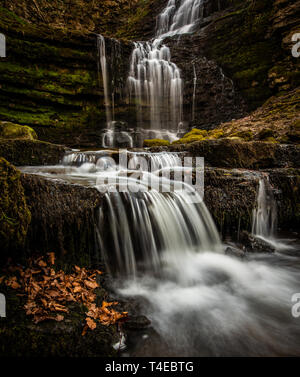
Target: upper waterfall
154	81
179	21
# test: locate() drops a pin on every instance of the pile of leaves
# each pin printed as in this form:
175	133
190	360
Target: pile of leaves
48	292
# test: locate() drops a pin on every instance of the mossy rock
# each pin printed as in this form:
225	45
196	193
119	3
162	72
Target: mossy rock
196	132
194	135
245	135
31	152
215	134
148	143
271	140
14	213
189	139
10	130
199	135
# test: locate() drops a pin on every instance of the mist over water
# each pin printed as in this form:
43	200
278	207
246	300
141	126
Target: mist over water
211	304
165	253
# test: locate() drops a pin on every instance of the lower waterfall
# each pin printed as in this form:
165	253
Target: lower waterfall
265	215
166	256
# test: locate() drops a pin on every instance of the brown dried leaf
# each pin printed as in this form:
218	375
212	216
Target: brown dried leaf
91	324
91	284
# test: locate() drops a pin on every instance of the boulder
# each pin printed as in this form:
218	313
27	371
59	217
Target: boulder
254	244
31	152
10	130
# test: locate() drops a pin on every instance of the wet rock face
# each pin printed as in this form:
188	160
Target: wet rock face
14	212
251	42
209	97
63	219
50	82
21	337
286	183
31	152
254	244
105	16
230	196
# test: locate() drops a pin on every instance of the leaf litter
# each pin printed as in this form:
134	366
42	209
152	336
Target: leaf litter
49	293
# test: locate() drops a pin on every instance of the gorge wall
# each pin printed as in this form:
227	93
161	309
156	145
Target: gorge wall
240	56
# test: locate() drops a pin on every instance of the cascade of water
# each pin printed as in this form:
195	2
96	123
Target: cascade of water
102	64
151	227
265	215
179	21
154	81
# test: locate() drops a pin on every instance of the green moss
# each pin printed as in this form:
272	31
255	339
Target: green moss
245	135
199	135
155	143
14	213
10	130
240	46
271	140
189	139
196	132
215	134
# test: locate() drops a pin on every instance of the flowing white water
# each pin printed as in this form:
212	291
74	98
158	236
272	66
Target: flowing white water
111	136
264	223
179	21
107	139
155	82
168	255
210	304
102	63
265	214
150	228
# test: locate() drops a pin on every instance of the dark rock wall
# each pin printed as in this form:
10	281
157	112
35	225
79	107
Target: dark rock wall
50	80
63	220
14	213
241	53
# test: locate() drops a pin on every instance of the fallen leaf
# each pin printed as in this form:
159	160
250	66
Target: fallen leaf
91	284
91	324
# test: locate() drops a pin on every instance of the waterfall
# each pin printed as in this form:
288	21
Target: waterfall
112	134
265	215
102	64
155	82
180	21
147	229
